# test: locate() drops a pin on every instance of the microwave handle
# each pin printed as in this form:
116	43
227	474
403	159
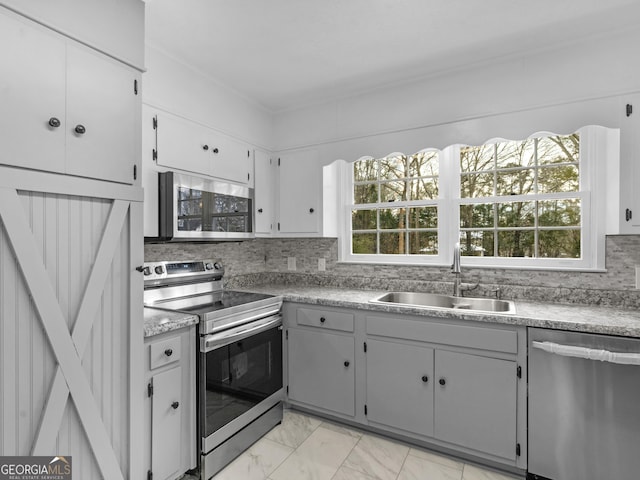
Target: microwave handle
217	340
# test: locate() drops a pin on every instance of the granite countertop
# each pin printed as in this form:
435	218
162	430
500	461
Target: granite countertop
160	321
579	318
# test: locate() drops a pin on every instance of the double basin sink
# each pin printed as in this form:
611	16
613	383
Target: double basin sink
433	300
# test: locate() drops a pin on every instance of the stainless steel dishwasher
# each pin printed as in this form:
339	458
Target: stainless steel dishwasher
584	406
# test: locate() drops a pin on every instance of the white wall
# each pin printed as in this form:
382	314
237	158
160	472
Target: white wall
178	88
474	104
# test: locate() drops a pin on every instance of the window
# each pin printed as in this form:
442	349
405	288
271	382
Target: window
521	199
508	203
395	210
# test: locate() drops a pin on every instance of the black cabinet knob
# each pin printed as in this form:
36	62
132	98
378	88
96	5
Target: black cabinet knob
425	379
54	122
442	381
311	210
215	150
80	130
259	210
168	352
205	147
322	319
175	405
346	363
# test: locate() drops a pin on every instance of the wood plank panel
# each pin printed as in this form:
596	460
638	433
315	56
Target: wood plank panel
67	233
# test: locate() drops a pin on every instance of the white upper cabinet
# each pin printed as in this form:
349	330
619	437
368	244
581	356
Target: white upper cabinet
264	198
65	104
115	27
190	146
299	188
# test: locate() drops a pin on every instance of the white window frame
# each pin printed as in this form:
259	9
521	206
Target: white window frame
599	151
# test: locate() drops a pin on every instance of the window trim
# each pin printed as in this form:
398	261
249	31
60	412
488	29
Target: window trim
599	146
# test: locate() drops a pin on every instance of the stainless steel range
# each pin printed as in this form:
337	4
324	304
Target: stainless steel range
239	358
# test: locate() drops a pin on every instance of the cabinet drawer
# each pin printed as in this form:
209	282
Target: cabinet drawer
325	319
164	352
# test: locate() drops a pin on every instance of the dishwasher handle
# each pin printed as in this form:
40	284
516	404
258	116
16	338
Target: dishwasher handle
588	353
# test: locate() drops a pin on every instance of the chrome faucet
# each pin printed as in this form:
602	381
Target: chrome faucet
455	269
458	287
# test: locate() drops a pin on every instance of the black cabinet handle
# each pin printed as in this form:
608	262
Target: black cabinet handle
346	363
168	352
54	122
425	379
322	319
311	210
175	405
215	150
80	130
259	210
205	147
442	381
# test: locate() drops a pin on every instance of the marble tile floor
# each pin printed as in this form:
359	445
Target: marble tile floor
304	447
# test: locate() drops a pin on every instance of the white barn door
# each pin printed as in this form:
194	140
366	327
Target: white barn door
71	321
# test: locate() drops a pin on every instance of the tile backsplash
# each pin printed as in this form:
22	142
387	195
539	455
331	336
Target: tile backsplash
266	260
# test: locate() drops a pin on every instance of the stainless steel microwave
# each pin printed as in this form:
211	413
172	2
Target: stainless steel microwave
195	208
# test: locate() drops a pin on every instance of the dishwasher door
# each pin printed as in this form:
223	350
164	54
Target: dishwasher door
584	406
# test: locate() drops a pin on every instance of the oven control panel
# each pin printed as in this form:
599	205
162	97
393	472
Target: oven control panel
158	273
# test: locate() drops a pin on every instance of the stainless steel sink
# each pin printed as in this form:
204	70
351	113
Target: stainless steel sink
433	300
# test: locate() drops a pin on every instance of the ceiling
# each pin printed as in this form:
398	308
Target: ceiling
286	53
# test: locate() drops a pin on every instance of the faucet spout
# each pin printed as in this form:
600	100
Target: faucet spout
455	266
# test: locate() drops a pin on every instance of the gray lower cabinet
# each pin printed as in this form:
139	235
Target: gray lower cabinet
400	386
321	370
475	402
170	447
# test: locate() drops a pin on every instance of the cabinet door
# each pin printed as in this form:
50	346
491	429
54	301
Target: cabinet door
475	402
183	145
321	370
101	98
232	162
299	188
32	91
400	386
166	423
263	192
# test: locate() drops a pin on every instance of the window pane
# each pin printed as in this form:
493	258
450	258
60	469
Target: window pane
476	185
365	170
558	179
516	243
476	216
367	193
516	154
392	243
475	159
520	182
423	217
364	243
559	243
363	220
424	164
423	189
393	191
477	243
559	213
516	214
423	243
393	167
558	149
392	218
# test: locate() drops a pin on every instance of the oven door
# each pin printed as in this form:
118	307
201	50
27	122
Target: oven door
240	378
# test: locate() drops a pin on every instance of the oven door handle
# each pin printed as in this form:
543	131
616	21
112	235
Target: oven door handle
217	340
